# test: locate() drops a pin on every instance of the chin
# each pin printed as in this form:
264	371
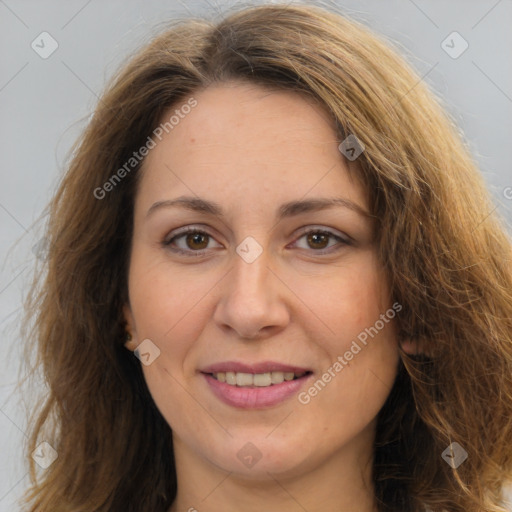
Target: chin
254	457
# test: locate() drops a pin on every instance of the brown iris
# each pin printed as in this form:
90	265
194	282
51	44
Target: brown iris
197	238
316	238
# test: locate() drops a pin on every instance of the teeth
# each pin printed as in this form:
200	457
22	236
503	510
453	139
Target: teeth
277	377
262	379
244	379
257	380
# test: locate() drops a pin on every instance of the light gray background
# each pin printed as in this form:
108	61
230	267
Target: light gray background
44	103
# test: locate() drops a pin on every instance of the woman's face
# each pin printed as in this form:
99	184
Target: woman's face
268	286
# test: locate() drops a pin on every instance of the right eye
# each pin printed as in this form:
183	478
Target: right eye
193	242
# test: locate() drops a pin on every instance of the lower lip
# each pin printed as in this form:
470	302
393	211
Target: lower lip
256	397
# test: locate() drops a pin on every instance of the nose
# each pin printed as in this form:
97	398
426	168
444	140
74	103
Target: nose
253	300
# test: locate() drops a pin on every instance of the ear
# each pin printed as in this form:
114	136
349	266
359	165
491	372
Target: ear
130	328
411	347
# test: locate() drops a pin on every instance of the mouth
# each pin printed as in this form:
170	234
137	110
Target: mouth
254	386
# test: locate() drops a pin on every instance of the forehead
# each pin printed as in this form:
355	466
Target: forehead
252	117
242	140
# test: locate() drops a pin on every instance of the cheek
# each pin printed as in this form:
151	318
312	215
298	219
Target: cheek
167	303
357	385
168	310
346	300
350	304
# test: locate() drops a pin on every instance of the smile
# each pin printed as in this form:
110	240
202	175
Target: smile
266	379
254	386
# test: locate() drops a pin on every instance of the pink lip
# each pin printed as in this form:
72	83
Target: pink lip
254	397
262	367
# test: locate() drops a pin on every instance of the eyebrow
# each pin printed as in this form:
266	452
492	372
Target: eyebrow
289	209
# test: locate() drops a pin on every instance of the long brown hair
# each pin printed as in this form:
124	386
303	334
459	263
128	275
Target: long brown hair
448	260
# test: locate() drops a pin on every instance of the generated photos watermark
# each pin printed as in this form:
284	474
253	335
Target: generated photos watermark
138	156
305	396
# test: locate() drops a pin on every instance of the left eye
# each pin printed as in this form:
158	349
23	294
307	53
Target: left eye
196	241
319	240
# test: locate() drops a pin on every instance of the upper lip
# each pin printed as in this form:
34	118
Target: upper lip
261	367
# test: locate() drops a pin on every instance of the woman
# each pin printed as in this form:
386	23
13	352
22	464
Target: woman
273	284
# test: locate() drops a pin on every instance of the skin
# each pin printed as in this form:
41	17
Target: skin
250	150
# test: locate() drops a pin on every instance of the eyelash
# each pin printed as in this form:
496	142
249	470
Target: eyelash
191	253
